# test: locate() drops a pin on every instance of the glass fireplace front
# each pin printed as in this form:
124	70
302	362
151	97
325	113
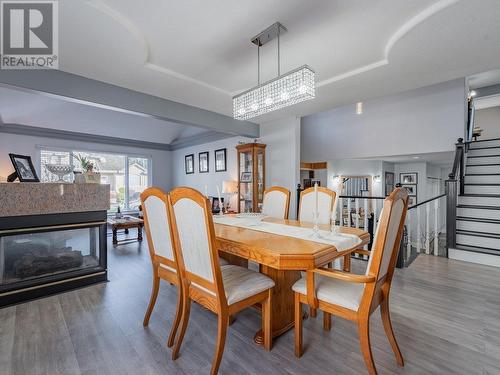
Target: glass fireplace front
40	261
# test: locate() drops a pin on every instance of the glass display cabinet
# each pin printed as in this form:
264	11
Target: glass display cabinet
251	176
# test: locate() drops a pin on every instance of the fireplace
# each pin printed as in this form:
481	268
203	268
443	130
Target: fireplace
45	254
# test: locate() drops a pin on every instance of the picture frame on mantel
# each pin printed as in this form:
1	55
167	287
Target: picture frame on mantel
203	162
189	163
24	169
220	160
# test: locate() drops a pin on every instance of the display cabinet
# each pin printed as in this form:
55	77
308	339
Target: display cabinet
251	176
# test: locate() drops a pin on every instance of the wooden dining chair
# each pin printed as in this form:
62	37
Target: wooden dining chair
276	202
307	204
160	242
356	297
223	290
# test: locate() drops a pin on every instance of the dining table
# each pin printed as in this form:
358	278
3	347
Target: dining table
282	249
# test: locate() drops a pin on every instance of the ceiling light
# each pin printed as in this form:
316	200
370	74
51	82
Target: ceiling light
359	108
416	157
285	90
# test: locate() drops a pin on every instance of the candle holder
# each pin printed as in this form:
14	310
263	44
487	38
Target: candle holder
315	229
334	228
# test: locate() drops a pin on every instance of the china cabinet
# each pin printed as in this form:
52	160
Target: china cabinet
251	176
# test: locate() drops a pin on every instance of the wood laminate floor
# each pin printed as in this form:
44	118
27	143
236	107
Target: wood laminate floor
446	315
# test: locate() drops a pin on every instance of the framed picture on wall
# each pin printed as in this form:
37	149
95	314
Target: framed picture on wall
408	178
220	160
389	183
412	201
411	189
189	163
203	162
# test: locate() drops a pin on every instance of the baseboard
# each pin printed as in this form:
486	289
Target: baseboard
472	257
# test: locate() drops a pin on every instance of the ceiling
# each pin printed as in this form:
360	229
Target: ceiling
434	158
34	109
198	52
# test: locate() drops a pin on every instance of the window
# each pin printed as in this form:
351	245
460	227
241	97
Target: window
127	175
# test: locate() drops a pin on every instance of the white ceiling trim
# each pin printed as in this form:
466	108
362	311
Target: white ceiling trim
400	33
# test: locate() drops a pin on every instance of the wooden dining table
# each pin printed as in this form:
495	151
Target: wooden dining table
281	258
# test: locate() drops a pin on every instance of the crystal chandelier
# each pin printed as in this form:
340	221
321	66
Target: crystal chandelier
286	89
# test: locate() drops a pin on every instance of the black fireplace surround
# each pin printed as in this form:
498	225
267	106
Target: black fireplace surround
45	254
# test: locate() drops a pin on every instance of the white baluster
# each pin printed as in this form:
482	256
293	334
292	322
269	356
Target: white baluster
427	229
341	206
408	231
348	212
356	206
436	227
366	224
419	234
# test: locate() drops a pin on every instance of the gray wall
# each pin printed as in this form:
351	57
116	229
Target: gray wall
488	119
428	119
30	145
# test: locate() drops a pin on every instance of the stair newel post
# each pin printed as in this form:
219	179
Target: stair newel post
451	213
299	190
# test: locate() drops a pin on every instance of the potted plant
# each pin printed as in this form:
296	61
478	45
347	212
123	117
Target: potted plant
87	175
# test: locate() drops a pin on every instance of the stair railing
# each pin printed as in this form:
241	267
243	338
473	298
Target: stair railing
423	225
454	186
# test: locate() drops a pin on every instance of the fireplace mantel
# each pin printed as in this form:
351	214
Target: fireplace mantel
32	198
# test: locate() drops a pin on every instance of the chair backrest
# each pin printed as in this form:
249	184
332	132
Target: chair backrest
276	202
157	225
388	236
326	202
194	240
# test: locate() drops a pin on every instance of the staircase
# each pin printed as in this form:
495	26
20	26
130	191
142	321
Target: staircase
478	208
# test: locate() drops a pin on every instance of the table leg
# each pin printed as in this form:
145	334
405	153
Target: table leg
283	301
115	236
139	233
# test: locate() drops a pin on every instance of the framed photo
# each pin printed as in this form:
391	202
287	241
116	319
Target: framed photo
389	183
216	204
220	160
412	201
246	177
408	178
24	169
411	189
189	163
203	162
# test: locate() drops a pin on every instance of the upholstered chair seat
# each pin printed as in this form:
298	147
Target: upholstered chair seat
336	292
241	283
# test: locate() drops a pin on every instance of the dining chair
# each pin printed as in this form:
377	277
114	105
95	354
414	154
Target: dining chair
222	290
276	202
160	243
307	205
356	297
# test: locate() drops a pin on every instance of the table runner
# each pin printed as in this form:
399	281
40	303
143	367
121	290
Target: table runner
341	241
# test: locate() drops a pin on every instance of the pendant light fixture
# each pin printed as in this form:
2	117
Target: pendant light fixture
285	90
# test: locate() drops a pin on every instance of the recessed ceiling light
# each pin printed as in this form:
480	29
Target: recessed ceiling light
416	157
